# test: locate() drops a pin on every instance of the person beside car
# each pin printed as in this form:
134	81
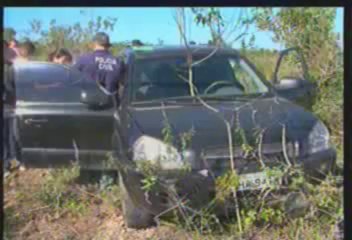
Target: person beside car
13	44
61	56
126	56
9	101
26	50
100	65
129	49
8	104
9	53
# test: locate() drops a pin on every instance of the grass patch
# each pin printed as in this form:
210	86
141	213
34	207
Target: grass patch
264	221
263	216
11	221
58	192
40	204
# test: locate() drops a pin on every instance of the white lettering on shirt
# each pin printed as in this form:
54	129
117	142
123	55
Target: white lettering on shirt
103	66
105	63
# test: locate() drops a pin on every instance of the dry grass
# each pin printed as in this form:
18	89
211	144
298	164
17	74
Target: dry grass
29	216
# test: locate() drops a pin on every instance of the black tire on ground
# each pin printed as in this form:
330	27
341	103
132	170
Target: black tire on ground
88	176
133	215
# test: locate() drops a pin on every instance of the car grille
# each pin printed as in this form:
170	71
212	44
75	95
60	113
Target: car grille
217	160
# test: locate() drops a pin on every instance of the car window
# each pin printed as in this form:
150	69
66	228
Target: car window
219	75
247	77
40	82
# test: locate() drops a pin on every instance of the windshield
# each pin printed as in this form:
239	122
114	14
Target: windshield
217	76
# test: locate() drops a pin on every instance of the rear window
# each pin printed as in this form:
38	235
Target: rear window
42	82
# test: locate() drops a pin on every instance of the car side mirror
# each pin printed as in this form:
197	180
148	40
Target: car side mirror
297	89
301	60
287	85
290	84
300	91
95	99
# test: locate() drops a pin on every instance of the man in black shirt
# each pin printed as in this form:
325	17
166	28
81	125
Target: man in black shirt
9	100
100	65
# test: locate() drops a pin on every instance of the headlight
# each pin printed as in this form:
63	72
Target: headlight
156	151
319	138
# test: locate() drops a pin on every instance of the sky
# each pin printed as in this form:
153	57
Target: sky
147	24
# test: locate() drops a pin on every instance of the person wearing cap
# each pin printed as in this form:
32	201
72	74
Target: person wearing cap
129	49
137	43
101	65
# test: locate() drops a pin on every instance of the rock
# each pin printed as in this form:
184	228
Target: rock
296	205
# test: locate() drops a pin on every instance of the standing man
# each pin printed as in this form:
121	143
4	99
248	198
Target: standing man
8	97
61	56
9	103
129	49
25	52
9	54
13	44
10	46
100	65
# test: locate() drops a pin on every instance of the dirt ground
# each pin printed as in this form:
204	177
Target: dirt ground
27	218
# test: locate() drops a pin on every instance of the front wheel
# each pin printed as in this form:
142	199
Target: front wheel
91	176
133	215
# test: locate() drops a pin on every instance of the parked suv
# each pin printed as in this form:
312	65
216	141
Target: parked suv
64	116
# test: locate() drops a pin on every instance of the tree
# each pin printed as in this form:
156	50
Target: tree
223	31
310	29
9	34
75	37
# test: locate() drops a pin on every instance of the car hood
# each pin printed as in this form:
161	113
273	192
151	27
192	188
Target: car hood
270	118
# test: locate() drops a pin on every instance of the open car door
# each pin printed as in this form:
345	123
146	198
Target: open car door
296	88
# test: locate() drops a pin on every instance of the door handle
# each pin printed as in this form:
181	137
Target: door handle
35	121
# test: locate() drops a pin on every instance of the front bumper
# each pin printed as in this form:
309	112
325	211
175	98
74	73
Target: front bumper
199	186
319	164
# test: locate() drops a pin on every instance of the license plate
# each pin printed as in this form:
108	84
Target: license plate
255	181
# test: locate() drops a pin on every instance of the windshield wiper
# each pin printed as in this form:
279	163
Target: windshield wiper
233	97
192	99
167	100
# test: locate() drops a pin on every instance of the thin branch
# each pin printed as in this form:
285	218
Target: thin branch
260	149
207	57
284	146
179	16
218	35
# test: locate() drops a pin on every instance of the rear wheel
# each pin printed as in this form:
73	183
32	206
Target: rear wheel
134	216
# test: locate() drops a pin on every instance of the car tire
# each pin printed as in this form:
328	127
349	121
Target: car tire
90	176
133	215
